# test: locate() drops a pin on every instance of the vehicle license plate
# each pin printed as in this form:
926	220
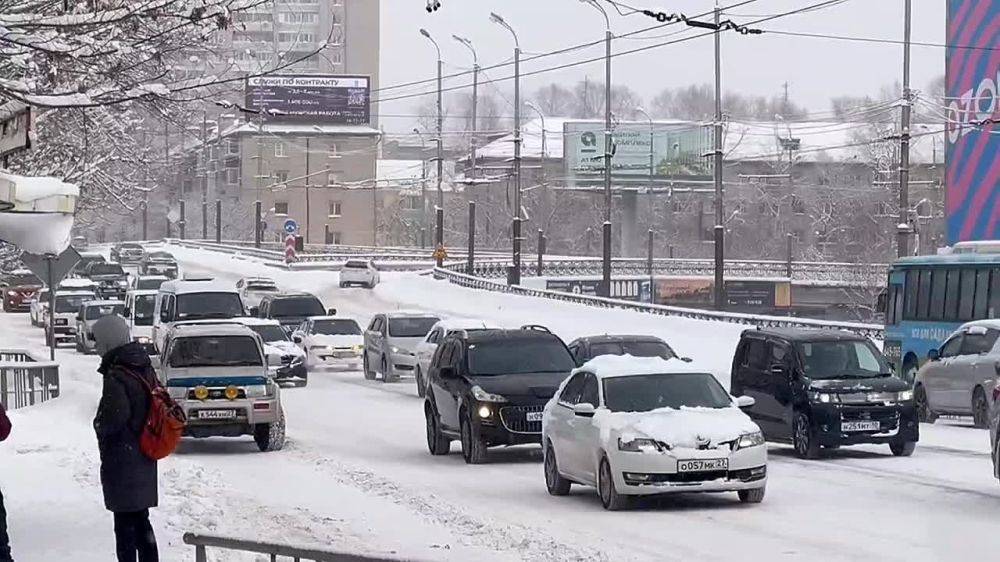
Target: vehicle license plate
859	426
533	416
216	414
702	465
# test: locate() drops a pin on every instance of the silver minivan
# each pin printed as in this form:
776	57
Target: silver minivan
391	342
959	377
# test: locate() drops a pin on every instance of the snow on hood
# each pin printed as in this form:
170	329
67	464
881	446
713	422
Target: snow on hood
337	341
682	428
282	348
37	233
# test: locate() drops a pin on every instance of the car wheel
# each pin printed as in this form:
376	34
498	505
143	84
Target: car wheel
342	284
79	346
980	409
554	482
804	438
473	446
924	412
996	462
419	377
902	448
369	374
270	436
387	374
437	443
610	498
755	495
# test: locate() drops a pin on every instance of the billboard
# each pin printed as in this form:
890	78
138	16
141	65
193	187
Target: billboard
678	149
972	181
339	100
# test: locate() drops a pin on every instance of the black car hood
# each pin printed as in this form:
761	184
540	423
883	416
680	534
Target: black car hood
877	384
531	385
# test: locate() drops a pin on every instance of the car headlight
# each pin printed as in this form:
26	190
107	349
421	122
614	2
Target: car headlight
143	340
11	294
260	391
357	348
904	396
823	397
231	393
201	392
400	350
483	396
748	440
639	445
178	392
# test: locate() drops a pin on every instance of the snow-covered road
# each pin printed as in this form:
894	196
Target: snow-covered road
356	473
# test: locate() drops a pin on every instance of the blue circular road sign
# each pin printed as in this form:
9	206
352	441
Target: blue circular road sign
291	226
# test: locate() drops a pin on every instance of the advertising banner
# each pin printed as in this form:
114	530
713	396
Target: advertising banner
678	149
340	100
972	180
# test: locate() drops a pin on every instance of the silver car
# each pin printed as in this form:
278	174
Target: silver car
88	315
391	341
959	377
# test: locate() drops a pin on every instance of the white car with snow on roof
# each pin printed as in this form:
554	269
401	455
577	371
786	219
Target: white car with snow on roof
633	426
289	365
330	341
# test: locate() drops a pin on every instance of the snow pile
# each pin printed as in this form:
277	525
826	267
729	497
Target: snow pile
617	365
45	219
682	428
37	233
24	189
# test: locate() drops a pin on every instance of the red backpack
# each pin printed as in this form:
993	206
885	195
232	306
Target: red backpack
164	423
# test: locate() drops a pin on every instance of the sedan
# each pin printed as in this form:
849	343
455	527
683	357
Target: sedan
958	378
646	426
330	341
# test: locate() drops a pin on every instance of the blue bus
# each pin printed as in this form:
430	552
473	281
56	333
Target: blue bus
929	297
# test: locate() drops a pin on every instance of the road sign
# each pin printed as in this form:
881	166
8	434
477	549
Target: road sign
61	265
174	215
291	227
290	254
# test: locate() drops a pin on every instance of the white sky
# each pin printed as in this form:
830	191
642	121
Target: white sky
816	69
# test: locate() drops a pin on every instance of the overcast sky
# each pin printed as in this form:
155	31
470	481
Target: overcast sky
816	69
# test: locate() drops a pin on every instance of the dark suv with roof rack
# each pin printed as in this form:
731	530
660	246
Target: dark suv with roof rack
823	388
489	387
290	309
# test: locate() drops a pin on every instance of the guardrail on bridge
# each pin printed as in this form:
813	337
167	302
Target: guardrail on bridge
201	543
25	379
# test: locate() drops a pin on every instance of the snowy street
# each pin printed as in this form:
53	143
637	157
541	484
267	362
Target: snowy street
356	475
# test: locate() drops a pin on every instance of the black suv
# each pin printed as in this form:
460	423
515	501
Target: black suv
489	387
111	279
586	348
290	309
823	388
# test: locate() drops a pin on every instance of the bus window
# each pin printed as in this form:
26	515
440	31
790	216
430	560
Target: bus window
937	295
924	294
967	293
898	308
912	283
981	302
890	305
951	296
994	311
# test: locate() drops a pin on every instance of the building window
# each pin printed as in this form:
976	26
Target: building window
280	149
332	178
234	147
281	208
281	176
411	202
232	176
335	208
333	238
298	17
332	150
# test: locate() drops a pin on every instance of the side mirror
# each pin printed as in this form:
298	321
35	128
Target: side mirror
331	312
934	354
584	410
744	402
254	311
446	372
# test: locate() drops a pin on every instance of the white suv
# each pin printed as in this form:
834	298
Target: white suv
359	272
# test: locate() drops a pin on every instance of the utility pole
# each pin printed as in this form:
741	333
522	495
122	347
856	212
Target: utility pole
423	186
719	227
903	228
475	99
515	273
308	212
440	144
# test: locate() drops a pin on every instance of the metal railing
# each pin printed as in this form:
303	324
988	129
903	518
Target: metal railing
25	379
868	330
202	543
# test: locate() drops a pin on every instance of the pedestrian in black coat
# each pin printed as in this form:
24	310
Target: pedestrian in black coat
5	555
128	477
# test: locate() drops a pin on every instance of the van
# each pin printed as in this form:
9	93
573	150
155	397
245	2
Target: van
139	305
186	300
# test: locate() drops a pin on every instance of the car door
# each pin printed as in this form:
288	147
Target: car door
446	390
585	434
373	341
755	382
934	377
779	400
559	428
971	368
426	348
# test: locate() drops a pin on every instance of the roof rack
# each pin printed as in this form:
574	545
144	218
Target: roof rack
537	328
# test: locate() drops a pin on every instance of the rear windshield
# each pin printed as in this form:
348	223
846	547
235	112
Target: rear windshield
411	327
20	279
356	265
95	312
270	333
131	247
261	286
512	357
296	306
71	303
160	256
223	351
196	306
106	269
148	284
633	348
343	327
644	393
143	313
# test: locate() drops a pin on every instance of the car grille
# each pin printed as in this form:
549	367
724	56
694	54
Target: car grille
217	394
888	419
513	418
746	475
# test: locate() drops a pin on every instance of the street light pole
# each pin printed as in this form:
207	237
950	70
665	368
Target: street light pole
651	169
719	229
423	185
475	100
515	278
440	141
902	228
544	183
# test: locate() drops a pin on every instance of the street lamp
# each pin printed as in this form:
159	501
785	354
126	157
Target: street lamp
475	98
423	185
606	258
515	278
651	170
439	238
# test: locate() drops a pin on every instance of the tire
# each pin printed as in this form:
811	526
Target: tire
755	495
473	446
610	498
804	438
387	374
554	482
79	347
369	374
270	436
980	409
924	412
343	285
419	377
437	443
902	448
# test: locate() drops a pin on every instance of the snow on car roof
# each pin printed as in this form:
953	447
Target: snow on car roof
989	323
332	317
74	283
199	330
409	313
76	293
183	286
147	277
143	292
462	324
251	321
607	366
103	303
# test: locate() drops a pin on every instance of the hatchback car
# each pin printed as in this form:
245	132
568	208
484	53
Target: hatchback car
330	341
19	288
127	252
391	343
290	309
426	348
359	272
823	388
158	263
488	388
88	315
253	289
645	426
587	348
959	377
